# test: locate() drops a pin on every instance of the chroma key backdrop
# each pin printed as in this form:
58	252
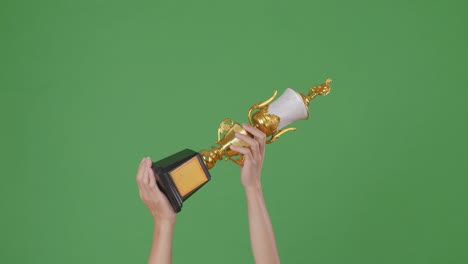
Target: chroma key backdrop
377	174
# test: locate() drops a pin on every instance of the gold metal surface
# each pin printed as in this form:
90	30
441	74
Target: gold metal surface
226	137
279	133
260	105
262	120
267	123
322	89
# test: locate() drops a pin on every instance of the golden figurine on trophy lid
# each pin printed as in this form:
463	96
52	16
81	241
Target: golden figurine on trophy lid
182	174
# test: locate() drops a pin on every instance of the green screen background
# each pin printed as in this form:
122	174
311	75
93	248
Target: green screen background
378	174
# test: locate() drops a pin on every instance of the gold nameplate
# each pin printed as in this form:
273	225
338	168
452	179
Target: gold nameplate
188	176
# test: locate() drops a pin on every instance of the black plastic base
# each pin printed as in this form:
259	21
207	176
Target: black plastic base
162	170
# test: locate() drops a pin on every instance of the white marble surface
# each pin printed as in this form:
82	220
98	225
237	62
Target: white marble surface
289	107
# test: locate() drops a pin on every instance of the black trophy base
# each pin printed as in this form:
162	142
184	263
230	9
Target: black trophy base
181	175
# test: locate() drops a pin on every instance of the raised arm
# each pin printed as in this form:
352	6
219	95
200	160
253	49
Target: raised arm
262	237
163	214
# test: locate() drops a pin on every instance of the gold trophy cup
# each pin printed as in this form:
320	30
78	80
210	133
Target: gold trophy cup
182	174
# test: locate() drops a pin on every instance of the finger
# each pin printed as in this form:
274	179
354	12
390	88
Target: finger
148	188
254	144
254	131
246	151
147	171
143	179
140	172
152	179
152	186
258	135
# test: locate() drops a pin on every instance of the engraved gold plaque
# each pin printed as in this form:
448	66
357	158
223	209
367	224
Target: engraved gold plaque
188	176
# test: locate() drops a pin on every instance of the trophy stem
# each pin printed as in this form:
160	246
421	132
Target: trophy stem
210	156
222	148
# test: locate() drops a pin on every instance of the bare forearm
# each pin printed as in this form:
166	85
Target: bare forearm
262	237
163	215
161	249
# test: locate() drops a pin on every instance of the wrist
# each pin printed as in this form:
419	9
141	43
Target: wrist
253	188
164	224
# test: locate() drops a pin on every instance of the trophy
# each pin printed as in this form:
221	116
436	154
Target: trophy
182	174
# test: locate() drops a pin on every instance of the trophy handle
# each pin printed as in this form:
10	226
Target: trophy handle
224	126
279	133
260	105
